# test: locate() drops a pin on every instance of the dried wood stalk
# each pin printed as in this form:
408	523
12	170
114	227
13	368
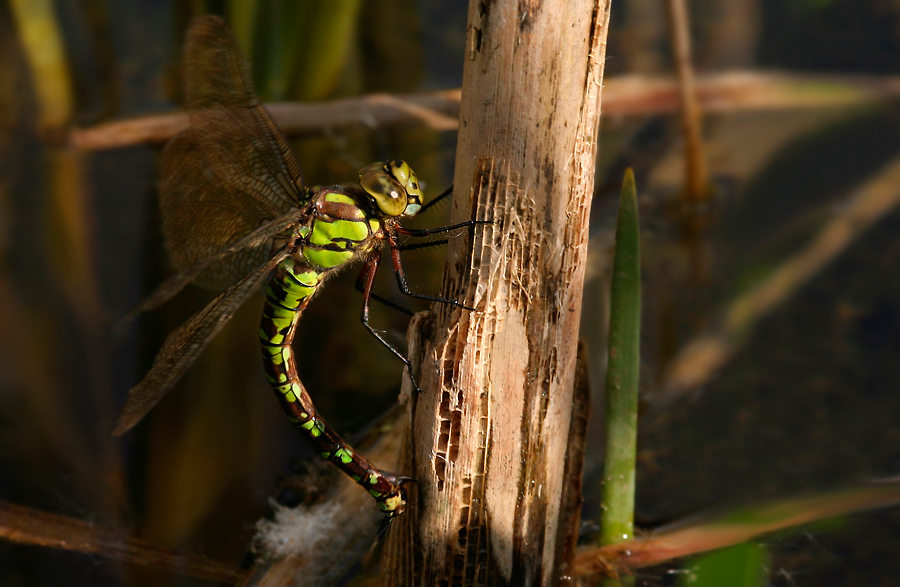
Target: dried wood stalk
489	435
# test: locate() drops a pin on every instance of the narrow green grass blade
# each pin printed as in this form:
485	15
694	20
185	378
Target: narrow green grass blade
622	372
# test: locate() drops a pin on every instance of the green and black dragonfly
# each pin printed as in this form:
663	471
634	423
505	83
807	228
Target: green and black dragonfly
235	209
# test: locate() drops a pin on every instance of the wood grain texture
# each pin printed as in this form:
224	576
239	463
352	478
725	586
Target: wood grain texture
490	434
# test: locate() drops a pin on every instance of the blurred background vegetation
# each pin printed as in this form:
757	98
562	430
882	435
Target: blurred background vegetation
801	395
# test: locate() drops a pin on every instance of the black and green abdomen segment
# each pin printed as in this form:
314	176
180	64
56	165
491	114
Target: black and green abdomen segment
331	243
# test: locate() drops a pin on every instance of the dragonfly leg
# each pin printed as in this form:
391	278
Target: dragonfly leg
361	287
401	278
414	246
443	195
419	232
367	277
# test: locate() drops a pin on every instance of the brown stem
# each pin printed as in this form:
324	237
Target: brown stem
490	432
696	179
630	95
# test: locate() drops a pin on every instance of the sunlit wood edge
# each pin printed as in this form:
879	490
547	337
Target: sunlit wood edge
622	96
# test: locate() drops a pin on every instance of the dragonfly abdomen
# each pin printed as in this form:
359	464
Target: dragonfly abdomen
288	292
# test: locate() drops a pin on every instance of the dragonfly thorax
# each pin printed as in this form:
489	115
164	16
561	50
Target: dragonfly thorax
393	186
342	226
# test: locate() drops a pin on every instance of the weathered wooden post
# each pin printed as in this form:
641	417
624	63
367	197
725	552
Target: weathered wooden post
490	432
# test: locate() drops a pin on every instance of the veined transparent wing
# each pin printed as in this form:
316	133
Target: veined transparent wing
230	186
184	345
251	241
232	171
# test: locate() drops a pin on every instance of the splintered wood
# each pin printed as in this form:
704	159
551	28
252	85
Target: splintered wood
490	436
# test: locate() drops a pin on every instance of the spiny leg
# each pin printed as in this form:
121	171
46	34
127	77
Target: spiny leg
395	248
414	246
366	279
443	195
426	231
360	280
419	232
361	288
367	276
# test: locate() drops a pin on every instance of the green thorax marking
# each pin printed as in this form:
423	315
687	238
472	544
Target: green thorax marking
343	225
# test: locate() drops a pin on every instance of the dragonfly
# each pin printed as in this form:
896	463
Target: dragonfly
235	210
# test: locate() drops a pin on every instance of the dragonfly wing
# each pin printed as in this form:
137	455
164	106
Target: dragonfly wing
184	345
249	243
232	171
203	218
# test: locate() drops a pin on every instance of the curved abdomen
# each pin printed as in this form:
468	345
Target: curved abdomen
288	292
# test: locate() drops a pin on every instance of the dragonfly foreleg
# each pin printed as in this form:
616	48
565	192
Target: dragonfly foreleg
414	246
443	195
420	232
404	287
367	277
361	287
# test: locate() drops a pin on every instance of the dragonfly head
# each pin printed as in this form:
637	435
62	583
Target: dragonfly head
393	186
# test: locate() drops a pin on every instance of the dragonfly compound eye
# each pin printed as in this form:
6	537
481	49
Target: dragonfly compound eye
400	170
389	194
403	173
